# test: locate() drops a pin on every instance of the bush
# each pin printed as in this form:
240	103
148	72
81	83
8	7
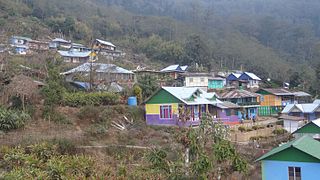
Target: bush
241	128
95	98
279	131
11	119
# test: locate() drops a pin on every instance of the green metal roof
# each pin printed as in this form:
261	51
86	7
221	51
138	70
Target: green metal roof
306	144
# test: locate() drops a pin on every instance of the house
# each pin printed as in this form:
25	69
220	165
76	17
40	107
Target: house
182	106
296	160
309	111
38	45
248	101
20	45
79	47
101	73
216	83
250	79
302	97
226	112
75	56
103	45
272	100
312	129
233	79
245	79
196	80
292	123
174	70
59	43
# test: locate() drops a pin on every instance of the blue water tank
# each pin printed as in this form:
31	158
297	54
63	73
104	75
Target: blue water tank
132	101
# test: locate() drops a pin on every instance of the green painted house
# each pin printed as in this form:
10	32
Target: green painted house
216	83
296	160
312	129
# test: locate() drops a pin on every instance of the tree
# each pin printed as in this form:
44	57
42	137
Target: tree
196	51
148	84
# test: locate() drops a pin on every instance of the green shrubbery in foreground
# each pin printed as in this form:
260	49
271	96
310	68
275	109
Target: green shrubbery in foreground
11	119
95	98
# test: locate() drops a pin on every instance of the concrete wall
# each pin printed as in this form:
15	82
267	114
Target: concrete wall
196	81
278	170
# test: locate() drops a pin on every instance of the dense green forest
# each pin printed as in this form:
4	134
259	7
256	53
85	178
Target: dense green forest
277	39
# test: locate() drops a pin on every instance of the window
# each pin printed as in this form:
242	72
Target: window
165	112
261	98
294	173
228	112
202	79
190	79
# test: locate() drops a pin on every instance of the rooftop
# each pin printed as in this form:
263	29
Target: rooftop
278	91
98	67
304	108
301	94
105	42
252	75
173	68
74	54
305	144
238	94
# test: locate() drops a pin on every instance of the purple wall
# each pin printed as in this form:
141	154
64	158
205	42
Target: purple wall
233	119
153	119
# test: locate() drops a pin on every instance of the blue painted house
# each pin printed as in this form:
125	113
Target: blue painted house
216	83
248	101
296	160
310	111
250	79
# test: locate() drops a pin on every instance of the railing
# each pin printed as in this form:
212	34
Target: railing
248	103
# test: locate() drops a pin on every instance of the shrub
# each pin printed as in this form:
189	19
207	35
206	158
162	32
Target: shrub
241	128
11	119
95	98
279	131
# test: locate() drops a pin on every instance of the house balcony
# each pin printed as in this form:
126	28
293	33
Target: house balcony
248	104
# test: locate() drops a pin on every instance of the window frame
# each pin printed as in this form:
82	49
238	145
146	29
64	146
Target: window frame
163	108
294	173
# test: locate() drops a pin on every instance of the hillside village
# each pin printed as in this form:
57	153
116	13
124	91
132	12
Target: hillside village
76	89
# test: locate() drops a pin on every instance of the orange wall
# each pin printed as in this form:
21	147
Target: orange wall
270	100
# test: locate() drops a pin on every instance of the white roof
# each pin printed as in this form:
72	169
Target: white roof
99	67
301	94
304	108
185	93
317	122
237	75
74	53
317	101
253	76
170	68
105	42
184	68
60	40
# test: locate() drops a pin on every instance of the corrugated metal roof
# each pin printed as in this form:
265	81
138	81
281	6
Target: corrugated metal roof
301	94
292	118
305	144
316	122
237	75
175	67
279	91
21	37
227	105
99	67
105	42
60	40
304	108
317	101
184	68
238	94
184	94
74	53
253	76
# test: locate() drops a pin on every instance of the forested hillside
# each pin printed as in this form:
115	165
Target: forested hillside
277	39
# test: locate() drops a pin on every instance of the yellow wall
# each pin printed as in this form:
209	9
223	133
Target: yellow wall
155	108
270	100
